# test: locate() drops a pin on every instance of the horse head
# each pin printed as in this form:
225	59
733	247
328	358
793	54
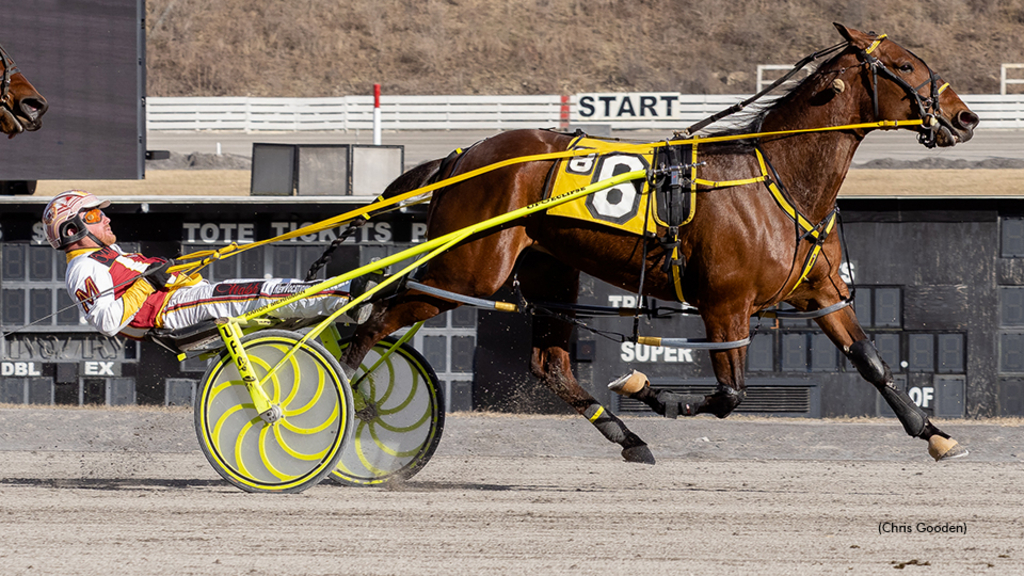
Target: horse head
21	105
901	86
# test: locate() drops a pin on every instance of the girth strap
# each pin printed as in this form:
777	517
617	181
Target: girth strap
676	261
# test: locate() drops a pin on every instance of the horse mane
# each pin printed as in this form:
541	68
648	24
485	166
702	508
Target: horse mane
750	119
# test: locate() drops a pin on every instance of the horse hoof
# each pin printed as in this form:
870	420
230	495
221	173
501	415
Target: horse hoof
945	448
629	384
640	454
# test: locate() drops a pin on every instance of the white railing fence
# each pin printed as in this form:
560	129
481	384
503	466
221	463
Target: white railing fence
619	111
774	70
352	113
1003	76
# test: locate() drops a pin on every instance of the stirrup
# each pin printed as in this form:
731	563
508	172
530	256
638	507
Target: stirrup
357	287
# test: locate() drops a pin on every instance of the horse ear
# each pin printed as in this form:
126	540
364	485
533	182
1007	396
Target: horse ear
854	37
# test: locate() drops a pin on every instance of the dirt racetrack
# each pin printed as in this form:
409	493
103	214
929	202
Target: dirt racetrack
105	491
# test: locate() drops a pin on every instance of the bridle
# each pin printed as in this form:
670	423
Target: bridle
10	69
928	108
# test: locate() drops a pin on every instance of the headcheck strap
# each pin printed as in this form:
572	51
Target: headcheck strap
693	129
873	64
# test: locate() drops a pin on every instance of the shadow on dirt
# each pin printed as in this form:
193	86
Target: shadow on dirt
113	484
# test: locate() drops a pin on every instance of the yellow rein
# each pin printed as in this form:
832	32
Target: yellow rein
209	256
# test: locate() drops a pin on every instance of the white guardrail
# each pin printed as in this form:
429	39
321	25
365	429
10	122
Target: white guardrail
621	111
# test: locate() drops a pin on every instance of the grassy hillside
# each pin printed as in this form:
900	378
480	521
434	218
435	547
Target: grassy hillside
337	47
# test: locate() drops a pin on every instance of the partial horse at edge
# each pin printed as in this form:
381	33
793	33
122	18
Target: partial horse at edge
21	105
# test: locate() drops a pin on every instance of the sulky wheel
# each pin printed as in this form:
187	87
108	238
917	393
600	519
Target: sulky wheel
294	452
399	418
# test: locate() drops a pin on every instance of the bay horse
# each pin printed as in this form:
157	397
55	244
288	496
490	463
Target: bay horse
21	105
742	253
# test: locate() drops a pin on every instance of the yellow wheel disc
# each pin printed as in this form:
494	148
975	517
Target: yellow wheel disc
294	452
399	429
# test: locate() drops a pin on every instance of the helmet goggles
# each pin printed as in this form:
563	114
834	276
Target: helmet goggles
67	216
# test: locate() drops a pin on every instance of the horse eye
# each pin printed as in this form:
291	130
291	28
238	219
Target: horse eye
905	68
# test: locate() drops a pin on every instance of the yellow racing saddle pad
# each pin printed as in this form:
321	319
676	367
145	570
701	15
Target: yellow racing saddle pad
630	206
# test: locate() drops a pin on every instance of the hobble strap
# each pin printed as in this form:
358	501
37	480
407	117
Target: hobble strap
325	258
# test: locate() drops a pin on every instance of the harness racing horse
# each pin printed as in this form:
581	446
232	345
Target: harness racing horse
742	253
21	105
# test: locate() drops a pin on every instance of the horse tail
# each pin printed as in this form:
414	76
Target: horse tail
425	174
418	177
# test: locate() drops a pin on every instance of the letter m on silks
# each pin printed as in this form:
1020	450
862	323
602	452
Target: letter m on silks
89	295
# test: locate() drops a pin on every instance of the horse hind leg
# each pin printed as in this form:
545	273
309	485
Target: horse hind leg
670	404
388	317
550	364
544	278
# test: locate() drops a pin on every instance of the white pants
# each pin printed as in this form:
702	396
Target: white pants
204	301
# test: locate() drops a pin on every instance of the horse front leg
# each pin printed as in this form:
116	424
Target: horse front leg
546	279
845	332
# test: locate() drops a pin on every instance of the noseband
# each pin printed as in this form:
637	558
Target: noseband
928	108
10	69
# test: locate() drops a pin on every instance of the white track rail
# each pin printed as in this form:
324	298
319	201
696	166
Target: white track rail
353	113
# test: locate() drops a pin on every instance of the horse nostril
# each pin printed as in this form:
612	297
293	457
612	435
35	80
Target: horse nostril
34	107
966	120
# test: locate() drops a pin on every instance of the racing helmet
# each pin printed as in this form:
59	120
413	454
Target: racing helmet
62	217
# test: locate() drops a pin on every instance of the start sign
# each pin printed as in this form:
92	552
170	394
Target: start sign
628	106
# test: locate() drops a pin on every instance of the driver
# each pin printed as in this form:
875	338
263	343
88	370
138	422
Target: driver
129	294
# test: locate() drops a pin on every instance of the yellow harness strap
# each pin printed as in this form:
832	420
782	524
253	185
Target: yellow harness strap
677	281
675	269
819	241
677	276
377	207
815	233
780	199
